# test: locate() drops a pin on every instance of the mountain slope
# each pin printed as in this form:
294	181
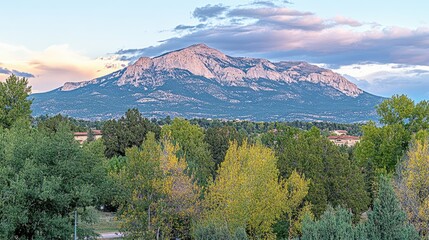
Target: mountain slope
199	81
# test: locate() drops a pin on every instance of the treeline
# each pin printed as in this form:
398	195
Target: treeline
211	179
244	127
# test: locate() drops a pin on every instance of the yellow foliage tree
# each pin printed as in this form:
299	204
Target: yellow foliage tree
140	180
159	199
181	204
248	192
412	185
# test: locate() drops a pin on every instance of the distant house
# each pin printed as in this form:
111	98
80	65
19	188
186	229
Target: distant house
81	137
339	132
344	140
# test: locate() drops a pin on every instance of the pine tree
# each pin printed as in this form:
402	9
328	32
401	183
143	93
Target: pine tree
387	221
333	224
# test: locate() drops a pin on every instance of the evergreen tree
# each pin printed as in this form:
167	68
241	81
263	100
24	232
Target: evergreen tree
14	102
130	130
387	221
333	224
336	180
218	139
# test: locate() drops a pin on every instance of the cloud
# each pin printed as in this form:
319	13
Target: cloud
189	27
283	33
383	60
340	20
53	66
208	11
389	79
15	72
264	3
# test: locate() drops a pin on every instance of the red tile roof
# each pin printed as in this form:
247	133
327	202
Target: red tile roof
343	137
95	132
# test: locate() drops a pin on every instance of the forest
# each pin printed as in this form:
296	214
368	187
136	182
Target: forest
213	179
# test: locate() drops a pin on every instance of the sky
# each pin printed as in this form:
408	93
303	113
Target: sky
382	46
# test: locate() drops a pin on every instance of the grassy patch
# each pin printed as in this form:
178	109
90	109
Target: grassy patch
105	223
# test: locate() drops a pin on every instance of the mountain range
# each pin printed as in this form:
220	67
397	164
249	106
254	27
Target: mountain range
202	82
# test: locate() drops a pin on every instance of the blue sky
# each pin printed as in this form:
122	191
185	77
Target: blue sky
383	46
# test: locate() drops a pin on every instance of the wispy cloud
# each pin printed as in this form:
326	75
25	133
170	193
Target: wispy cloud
189	27
53	66
209	11
389	79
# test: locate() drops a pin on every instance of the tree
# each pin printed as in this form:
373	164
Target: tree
181	204
412	185
218	139
14	102
387	220
397	110
213	230
44	179
91	136
159	200
130	130
334	178
140	179
193	148
52	124
381	148
333	224
248	194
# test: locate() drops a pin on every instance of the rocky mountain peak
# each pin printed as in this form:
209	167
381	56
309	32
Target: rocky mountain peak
201	60
199	81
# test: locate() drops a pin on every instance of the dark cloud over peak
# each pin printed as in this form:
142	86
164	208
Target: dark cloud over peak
15	72
282	33
209	11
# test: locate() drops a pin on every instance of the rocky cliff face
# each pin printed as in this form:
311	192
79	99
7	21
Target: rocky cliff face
200	79
210	63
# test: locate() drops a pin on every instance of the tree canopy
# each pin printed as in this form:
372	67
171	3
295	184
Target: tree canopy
14	102
44	178
249	193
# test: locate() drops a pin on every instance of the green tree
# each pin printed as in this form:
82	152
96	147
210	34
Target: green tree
218	139
397	110
387	220
140	179
91	136
14	102
382	147
334	178
52	124
130	130
247	192
213	230
333	224
193	148
44	179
